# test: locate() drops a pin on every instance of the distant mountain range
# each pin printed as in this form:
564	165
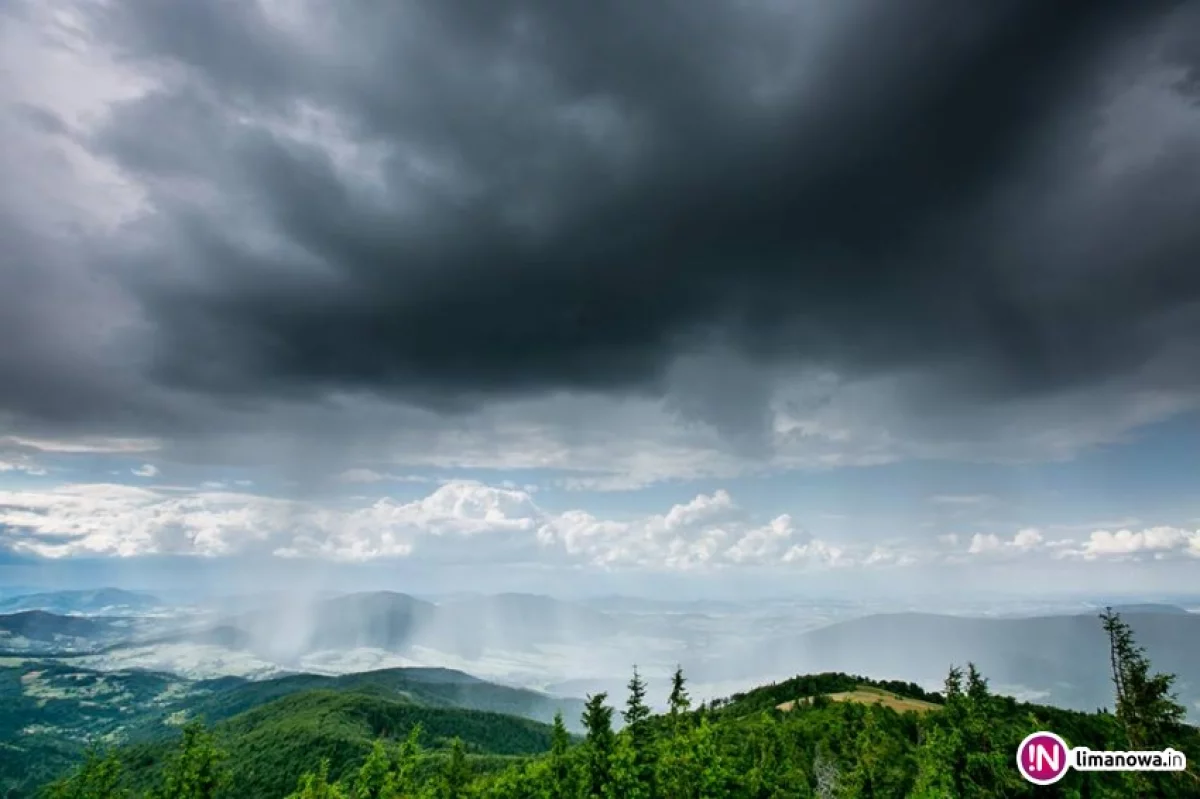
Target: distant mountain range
576	648
38	625
284	628
1144	607
53	633
628	604
110	601
1062	660
398	622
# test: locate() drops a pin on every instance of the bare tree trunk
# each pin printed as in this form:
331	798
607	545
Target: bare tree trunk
828	776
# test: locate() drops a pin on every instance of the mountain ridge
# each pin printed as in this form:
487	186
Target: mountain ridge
1061	655
50	709
81	601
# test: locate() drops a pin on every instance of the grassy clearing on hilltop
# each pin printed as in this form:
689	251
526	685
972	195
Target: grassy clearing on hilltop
870	695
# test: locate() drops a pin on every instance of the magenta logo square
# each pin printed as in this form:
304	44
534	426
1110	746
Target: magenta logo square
1042	758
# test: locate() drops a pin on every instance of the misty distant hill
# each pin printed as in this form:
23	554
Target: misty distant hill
534	609
514	621
381	619
1144	607
1064	659
288	628
46	633
38	625
223	635
40	631
617	603
397	622
102	600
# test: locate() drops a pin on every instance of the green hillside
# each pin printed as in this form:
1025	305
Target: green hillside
270	747
790	739
50	710
427	686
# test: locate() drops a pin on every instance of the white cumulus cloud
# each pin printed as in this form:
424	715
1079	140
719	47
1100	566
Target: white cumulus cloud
460	521
1024	540
469	522
1158	542
1151	540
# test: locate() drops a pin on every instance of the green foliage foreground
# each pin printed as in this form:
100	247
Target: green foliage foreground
744	747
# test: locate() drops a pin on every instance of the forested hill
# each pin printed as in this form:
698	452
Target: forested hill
827	735
50	709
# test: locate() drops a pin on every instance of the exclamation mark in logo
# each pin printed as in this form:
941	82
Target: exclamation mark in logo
1043	758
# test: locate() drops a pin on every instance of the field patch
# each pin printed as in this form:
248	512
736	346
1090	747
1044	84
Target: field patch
867	695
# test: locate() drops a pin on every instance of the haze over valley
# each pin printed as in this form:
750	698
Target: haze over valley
570	648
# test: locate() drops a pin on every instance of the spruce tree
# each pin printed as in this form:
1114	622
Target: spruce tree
641	735
456	774
713	777
877	757
989	755
679	702
1145	706
197	770
623	781
371	782
560	764
599	743
402	777
674	765
942	754
1147	711
316	785
99	777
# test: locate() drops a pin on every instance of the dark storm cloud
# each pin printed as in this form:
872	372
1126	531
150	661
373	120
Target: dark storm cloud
1182	48
52	367
571	195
